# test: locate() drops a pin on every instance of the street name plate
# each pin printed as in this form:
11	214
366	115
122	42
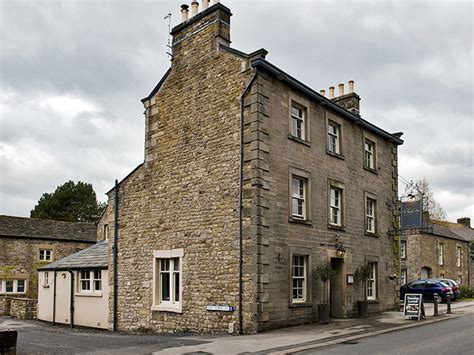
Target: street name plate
413	307
220	308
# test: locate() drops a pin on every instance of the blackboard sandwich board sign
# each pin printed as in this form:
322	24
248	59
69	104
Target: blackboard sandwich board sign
414	307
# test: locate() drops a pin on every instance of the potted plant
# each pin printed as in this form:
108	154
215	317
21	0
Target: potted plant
362	274
324	272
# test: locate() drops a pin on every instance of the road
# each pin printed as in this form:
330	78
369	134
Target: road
454	336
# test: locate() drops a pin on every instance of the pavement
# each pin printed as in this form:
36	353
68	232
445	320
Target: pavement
288	340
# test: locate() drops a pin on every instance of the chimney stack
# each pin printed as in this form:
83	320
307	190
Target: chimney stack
184	12
205	4
194	8
465	221
351	86
341	89
322	92
331	92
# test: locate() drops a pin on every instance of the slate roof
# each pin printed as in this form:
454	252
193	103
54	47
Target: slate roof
94	257
35	228
452	230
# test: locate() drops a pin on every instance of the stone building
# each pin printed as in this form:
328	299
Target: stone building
250	180
442	251
28	243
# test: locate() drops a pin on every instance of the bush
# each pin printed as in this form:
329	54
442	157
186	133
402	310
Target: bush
466	292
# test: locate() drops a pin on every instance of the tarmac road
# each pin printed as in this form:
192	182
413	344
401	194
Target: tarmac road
454	336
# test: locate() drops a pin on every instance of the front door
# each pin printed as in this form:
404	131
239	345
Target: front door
337	289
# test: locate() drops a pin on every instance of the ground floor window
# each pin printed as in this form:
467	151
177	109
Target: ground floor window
403	276
13	286
90	281
167	270
372	282
459	280
299	278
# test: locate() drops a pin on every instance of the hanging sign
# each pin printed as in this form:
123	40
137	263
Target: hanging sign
414	307
411	214
220	308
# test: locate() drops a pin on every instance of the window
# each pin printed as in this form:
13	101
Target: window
459	280
403	249
458	256
370	209
46	279
298	275
298	197
90	281
369	154
106	231
441	276
440	253
335	206
403	276
298	123
13	286
167	290
45	254
372	282
334	133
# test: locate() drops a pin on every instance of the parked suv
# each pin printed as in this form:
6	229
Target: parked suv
427	287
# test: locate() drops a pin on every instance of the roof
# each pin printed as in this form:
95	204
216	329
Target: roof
125	178
157	87
35	228
94	257
453	230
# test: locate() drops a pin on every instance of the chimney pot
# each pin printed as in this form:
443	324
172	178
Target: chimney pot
331	92
194	8
466	221
184	12
323	92
341	89
351	86
205	4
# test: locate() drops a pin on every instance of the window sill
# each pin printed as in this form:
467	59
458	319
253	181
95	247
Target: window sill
335	155
299	221
161	308
95	294
299	140
375	301
300	304
373	235
373	171
335	227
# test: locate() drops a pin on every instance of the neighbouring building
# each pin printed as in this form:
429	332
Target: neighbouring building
441	251
75	289
250	180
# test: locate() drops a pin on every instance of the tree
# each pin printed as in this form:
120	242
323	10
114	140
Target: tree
435	211
324	272
70	202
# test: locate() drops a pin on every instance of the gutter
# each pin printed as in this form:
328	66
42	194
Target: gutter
241	183
114	249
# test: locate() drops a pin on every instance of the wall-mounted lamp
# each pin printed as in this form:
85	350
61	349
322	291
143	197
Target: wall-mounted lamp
340	250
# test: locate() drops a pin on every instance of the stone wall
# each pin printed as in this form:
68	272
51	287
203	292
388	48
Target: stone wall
19	258
20	308
422	251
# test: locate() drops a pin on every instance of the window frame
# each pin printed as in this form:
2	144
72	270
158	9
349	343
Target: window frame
14	285
372	217
304	278
303	104
440	253
373	152
458	256
300	197
91	280
106	231
337	137
157	303
403	276
372	283
336	186
403	249
305	177
43	252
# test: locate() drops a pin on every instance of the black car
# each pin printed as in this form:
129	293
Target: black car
427	287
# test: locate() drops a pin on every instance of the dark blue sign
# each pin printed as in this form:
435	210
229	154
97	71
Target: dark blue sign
411	214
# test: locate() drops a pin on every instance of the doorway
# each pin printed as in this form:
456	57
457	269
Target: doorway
337	289
425	272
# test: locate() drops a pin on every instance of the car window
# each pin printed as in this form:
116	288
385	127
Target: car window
444	284
417	284
430	285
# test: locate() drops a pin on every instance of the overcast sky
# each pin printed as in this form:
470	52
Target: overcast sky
73	73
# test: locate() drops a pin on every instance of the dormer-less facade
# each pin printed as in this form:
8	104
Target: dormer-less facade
250	181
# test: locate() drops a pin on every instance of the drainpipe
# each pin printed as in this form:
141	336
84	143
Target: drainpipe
241	183
114	249
71	303
54	298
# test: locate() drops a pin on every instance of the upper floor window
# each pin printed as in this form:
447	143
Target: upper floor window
372	282
45	254
440	253
298	197
403	249
370	208
335	206
106	231
90	281
298	122
299	278
334	138
369	154
458	256
167	290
